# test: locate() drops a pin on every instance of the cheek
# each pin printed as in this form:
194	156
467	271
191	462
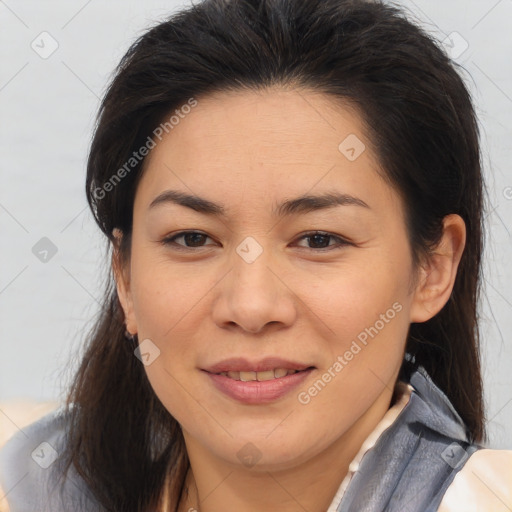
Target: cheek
166	295
366	311
350	299
341	299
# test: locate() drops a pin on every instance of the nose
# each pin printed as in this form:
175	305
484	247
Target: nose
255	295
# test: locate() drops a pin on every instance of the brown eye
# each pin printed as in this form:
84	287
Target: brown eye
320	241
191	238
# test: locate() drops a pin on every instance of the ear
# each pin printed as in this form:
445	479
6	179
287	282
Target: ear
437	274
122	277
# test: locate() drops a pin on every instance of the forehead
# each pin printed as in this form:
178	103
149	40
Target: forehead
261	143
285	121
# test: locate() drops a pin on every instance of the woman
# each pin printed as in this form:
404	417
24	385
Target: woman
292	193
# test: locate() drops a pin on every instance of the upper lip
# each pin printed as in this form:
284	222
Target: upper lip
240	364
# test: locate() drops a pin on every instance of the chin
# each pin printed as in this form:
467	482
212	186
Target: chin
261	453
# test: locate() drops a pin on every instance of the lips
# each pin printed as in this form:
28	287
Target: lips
257	382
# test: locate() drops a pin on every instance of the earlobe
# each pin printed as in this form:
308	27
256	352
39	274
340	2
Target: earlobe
437	275
122	278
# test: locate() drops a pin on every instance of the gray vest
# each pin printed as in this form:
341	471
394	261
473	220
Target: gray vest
408	469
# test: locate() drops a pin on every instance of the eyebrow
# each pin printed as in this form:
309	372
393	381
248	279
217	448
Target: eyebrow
299	205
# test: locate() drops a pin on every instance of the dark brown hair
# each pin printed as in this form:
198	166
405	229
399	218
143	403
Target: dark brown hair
421	123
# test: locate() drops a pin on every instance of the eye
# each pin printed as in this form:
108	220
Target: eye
195	238
320	237
317	238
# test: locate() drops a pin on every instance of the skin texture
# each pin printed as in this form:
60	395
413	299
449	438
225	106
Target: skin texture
201	305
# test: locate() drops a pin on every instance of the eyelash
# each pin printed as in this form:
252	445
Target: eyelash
170	241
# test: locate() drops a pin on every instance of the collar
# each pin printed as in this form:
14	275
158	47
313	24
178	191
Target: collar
437	414
403	392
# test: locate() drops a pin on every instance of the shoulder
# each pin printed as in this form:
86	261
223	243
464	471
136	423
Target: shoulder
16	415
483	483
29	462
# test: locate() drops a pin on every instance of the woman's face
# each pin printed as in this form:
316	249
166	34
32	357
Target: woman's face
255	289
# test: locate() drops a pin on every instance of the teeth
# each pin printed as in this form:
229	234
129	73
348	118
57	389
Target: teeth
268	375
259	376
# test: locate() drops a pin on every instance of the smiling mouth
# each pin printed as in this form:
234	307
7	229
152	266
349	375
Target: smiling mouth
276	373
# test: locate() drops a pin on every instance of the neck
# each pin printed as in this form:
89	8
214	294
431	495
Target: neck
311	485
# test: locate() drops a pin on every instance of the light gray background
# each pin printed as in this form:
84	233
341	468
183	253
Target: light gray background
47	115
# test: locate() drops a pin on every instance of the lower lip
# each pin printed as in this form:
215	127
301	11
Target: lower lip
258	392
